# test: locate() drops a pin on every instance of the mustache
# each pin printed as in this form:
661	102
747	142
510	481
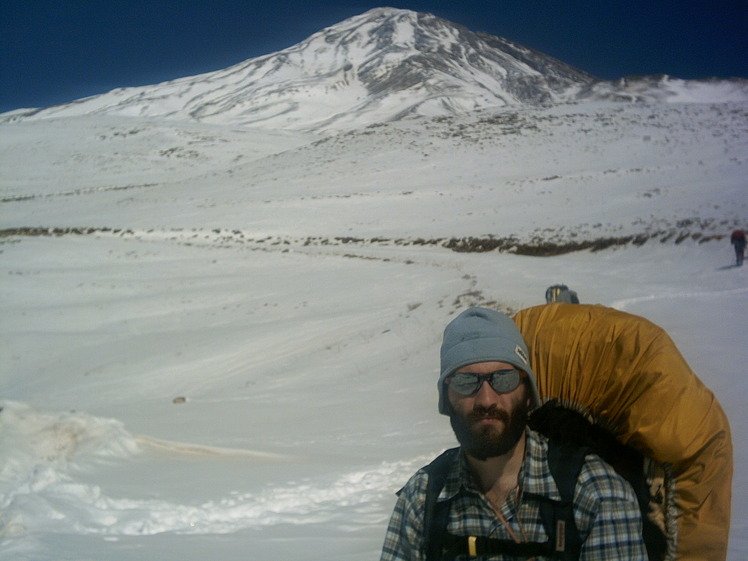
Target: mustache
480	413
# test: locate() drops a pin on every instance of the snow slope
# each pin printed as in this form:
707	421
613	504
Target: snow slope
576	171
241	354
308	380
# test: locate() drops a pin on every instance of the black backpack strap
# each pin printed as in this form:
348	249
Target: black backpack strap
565	464
435	513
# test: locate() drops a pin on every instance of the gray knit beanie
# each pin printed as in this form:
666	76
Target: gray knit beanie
483	335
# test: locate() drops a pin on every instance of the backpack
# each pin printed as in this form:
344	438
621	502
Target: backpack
628	377
561	293
571	437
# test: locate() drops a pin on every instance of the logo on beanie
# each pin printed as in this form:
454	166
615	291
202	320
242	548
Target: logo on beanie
520	352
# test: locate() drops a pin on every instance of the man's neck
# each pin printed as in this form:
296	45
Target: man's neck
497	476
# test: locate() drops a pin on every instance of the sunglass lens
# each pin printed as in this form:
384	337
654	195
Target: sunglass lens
464	383
504	381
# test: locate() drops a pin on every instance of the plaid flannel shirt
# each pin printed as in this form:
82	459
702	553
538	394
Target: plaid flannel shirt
605	510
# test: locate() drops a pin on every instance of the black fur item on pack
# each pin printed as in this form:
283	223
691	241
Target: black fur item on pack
571	427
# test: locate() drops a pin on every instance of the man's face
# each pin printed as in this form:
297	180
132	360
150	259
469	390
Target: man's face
489	424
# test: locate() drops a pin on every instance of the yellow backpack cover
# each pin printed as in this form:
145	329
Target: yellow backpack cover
627	375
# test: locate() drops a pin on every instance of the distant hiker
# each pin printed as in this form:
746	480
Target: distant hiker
561	293
498	495
737	239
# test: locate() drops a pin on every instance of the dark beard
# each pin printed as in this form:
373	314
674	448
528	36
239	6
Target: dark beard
486	442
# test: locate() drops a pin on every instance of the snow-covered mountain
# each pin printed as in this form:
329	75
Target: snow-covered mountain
380	66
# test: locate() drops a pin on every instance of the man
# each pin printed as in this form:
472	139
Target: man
495	485
737	239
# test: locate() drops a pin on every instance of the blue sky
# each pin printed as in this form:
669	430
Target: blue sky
55	51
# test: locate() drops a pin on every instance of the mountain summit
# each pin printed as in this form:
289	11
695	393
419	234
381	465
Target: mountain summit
382	65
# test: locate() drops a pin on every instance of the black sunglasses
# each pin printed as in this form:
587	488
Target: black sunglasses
468	383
